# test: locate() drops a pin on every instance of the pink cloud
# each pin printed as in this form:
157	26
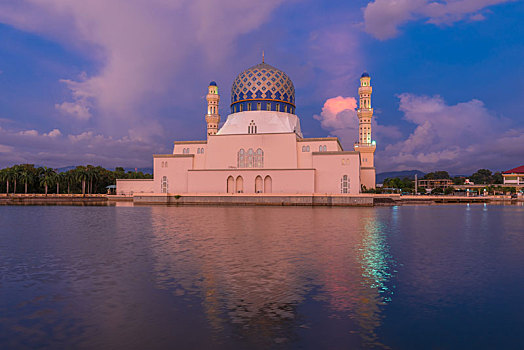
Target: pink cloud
339	117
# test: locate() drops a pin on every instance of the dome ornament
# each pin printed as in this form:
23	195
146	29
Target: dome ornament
263	56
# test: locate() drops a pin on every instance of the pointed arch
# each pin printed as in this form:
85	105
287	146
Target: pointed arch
268	184
239	184
230	184
241	161
259	184
259	158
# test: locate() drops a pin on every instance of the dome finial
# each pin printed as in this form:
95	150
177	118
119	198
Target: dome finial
263	56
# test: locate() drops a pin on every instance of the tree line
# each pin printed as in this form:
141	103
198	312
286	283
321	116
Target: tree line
480	177
89	179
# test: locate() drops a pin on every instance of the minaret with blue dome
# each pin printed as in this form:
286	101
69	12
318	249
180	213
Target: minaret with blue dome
365	145
212	116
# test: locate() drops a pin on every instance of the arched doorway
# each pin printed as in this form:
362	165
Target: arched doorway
230	185
259	183
240	185
268	185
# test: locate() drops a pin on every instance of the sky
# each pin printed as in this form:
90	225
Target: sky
111	82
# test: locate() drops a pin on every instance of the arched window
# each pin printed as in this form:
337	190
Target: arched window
230	184
198	150
278	107
344	184
268	184
259	158
307	149
165	164
303	148
202	150
268	106
259	106
241	161
259	184
241	107
320	148
240	185
249	106
250	158
325	148
164	186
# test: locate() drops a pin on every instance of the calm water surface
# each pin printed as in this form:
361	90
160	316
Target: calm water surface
411	277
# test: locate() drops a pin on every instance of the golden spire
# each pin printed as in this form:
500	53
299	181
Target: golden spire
262	56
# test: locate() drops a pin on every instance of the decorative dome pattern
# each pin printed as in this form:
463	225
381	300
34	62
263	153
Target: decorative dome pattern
267	86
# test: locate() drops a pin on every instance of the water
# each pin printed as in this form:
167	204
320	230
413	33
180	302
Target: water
410	277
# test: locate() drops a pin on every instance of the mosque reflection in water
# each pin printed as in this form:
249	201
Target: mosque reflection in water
261	273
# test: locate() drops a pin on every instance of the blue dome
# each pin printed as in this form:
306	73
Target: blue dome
262	87
213	83
365	75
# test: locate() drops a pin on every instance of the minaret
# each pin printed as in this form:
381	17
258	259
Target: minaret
365	146
212	116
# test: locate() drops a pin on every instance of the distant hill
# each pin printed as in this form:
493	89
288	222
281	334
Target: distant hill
144	170
401	174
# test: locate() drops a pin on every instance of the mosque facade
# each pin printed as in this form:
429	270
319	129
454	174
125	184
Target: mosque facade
261	149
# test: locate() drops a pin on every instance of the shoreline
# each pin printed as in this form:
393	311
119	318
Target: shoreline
313	200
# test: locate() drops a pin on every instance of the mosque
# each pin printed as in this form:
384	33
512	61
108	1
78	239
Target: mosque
260	147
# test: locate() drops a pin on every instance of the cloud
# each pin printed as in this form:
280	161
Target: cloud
382	18
55	149
339	117
142	49
459	138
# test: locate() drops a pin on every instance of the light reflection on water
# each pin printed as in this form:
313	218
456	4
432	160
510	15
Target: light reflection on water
254	277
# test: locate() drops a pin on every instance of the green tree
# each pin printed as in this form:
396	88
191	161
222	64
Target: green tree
437	190
7	176
437	175
27	177
47	177
497	178
482	176
459	180
82	175
449	190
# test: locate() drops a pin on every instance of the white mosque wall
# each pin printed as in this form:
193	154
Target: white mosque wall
331	167
306	147
289	181
171	170
129	186
279	150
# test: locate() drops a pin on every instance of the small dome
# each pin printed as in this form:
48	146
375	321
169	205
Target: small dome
365	75
265	84
213	83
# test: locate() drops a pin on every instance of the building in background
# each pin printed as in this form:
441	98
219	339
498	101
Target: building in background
514	176
435	183
261	149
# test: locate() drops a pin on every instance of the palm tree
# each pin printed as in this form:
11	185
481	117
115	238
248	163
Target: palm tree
69	176
4	176
8	175
47	177
17	169
82	175
26	177
92	174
